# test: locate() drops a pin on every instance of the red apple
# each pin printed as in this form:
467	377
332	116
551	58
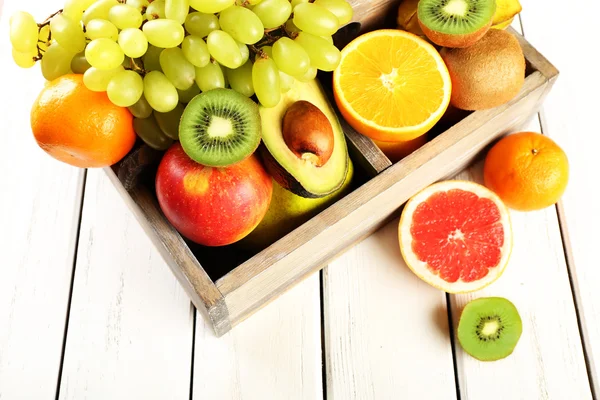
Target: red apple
212	206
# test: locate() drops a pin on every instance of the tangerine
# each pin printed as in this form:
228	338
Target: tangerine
80	127
527	170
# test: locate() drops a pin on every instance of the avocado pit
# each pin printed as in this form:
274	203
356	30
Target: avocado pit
308	133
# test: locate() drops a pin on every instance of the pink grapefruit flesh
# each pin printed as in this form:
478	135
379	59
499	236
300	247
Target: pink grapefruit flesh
456	236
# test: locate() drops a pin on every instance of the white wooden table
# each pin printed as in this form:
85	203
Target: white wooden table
88	310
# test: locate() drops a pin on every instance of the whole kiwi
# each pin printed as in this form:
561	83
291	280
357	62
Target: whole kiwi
487	74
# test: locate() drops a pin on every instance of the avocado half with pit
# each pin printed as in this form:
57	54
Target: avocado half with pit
306	149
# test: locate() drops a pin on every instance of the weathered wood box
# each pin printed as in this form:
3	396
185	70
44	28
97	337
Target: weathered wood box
227	286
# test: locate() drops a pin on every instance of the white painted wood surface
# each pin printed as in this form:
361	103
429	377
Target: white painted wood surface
570	116
386	331
131	323
39	213
275	354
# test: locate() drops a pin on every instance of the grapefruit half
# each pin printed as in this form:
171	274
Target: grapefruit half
456	236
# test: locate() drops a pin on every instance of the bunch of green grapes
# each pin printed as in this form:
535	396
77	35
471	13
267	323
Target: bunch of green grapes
155	54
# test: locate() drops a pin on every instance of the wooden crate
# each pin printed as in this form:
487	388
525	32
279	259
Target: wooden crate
228	299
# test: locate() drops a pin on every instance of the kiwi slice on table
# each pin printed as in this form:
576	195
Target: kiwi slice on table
220	127
489	328
455	23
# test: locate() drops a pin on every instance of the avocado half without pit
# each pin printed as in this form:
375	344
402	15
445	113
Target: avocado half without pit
305	146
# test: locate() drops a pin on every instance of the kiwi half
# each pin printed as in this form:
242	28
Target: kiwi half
455	23
220	127
489	328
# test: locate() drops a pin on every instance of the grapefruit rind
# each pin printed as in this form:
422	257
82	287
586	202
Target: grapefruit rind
421	269
389	133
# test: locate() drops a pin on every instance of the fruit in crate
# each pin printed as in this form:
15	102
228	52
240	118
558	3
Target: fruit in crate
455	23
489	73
489	328
396	151
403	90
288	211
529	171
304	145
220	127
212	206
506	10
80	127
456	236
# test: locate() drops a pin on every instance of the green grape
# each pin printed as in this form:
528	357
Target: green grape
160	92
23	32
211	6
296	2
97	79
133	42
185	96
286	81
44	39
155	10
74	9
323	55
244	51
224	49
240	79
273	13
315	19
210	77
268	50
24	60
125	88
200	24
98	10
79	63
101	28
290	27
242	24
266	82
56	62
177	68
67	33
103	53
151	59
195	50
164	33
340	8
177	10
141	109
328	38
310	74
124	16
290	57
253	2
147	129
139	5
169	122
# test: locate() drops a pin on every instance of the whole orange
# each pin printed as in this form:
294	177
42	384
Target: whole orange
80	127
527	170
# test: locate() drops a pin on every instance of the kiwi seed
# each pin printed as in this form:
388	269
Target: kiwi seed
220	127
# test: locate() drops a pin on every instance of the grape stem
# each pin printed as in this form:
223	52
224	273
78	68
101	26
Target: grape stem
136	68
47	20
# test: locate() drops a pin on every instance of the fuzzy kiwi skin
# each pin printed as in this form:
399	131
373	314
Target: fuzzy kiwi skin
487	74
454	41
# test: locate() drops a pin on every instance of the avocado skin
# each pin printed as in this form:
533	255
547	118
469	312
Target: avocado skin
286	180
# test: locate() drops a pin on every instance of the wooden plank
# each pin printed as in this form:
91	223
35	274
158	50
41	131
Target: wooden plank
386	331
294	257
274	355
39	214
548	362
570	117
131	323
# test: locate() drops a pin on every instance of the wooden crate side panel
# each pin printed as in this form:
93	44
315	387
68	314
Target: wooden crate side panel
186	268
257	281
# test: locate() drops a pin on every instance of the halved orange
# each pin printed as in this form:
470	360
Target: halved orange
391	85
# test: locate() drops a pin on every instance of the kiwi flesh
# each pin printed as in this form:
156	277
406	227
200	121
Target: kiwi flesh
487	74
455	23
220	127
489	328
